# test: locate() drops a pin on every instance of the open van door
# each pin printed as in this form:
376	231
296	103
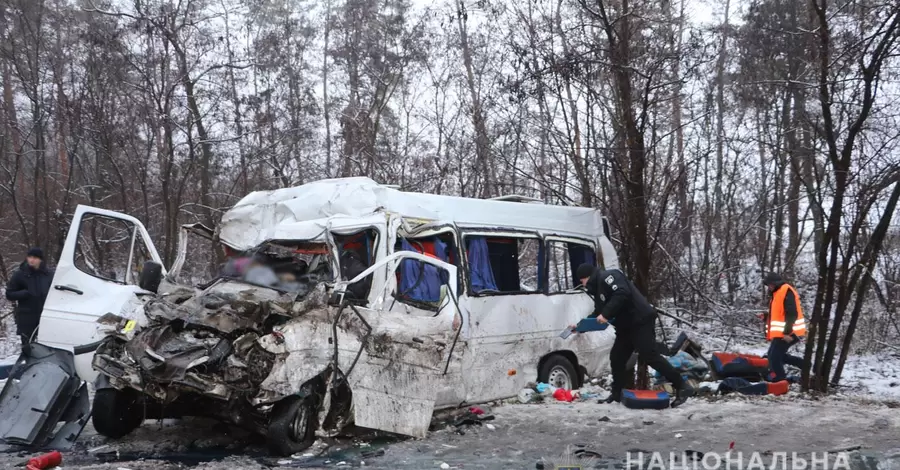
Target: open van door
411	360
98	273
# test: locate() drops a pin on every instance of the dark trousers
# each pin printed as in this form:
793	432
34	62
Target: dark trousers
778	356
641	338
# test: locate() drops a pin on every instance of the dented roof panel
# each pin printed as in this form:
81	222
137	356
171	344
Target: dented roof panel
260	215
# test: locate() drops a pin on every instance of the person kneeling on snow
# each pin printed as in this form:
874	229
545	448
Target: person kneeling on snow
785	326
616	298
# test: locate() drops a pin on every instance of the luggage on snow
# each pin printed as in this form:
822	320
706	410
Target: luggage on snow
645	399
745	366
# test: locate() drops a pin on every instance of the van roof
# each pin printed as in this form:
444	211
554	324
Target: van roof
252	220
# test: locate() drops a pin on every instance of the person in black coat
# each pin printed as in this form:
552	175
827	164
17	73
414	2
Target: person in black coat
28	288
617	300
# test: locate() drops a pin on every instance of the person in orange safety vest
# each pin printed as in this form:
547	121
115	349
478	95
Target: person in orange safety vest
785	326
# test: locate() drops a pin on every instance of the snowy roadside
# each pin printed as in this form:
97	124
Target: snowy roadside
863	414
523	435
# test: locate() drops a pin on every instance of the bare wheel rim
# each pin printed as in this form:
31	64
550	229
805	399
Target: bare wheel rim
559	378
299	424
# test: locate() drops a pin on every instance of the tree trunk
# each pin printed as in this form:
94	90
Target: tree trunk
869	258
482	142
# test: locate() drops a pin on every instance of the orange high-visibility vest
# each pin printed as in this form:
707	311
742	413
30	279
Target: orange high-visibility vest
776	321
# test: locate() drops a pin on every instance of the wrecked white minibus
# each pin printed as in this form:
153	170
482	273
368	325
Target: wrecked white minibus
386	306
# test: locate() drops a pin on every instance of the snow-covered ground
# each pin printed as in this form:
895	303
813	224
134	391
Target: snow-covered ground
520	436
863	414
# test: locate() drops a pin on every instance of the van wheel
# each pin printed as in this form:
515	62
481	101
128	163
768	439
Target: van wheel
558	372
116	412
292	425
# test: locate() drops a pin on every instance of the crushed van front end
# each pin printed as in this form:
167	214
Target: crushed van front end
201	353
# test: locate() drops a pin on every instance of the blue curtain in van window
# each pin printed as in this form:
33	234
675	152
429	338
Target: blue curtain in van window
580	254
442	251
419	281
480	265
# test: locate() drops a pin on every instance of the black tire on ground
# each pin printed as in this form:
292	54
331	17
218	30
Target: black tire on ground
558	364
116	412
292	425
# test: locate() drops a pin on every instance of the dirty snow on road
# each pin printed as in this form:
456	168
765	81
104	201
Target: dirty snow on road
863	414
520	436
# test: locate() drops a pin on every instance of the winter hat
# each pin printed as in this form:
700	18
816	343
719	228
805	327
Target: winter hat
584	270
772	279
35	253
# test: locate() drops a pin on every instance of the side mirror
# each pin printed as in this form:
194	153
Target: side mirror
151	276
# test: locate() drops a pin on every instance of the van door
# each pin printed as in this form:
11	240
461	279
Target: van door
409	365
97	273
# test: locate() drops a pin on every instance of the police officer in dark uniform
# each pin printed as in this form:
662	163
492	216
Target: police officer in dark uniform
617	300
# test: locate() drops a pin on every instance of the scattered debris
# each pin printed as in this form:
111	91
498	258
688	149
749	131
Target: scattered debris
584	453
445	465
48	460
845	449
373	453
695	454
678	436
490	426
526	395
471	418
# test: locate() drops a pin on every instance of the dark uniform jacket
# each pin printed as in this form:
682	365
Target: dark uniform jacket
618	300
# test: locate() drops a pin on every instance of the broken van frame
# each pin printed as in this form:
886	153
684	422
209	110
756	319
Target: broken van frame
414	417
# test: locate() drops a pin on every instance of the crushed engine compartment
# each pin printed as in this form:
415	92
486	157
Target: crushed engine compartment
205	342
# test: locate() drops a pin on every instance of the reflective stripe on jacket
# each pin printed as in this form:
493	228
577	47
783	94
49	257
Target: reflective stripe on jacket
781	323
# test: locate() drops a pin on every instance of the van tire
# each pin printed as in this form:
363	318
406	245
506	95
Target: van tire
116	412
555	365
292	425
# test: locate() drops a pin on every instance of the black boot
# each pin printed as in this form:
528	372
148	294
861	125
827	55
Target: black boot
681	395
612	397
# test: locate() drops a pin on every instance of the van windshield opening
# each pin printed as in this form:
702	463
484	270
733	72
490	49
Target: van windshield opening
295	267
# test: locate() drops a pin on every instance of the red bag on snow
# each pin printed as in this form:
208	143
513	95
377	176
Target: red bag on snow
563	395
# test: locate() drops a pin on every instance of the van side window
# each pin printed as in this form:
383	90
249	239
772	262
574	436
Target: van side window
563	260
505	264
105	247
419	283
357	253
